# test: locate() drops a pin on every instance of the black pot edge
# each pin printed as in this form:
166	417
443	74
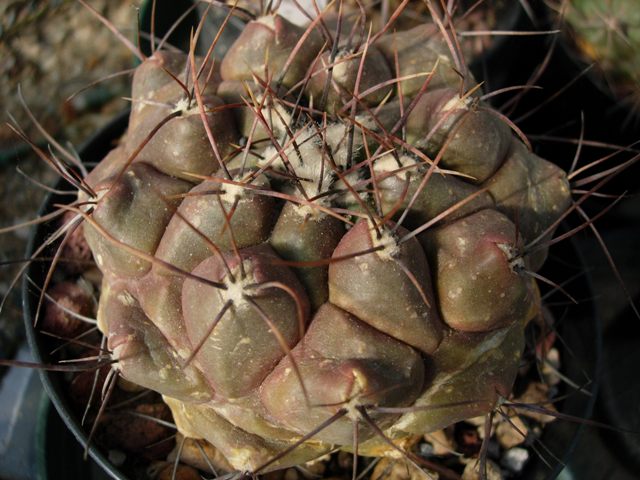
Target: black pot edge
89	149
596	355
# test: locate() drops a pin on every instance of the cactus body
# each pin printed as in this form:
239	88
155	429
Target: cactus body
292	242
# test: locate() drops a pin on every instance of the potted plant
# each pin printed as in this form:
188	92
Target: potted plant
140	209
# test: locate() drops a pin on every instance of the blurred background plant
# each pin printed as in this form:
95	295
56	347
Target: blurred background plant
607	33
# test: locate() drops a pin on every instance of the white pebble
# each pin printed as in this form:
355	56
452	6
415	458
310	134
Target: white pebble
117	457
514	459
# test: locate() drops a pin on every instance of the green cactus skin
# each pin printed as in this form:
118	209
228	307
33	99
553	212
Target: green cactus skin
608	32
264	291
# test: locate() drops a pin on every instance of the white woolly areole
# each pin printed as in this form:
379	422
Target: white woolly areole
181	105
358	389
342	67
186	107
277	116
390	164
268	21
233	192
280	120
308	212
307	161
236	290
515	262
337	138
386	240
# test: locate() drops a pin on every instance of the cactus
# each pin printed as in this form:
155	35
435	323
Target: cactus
608	32
317	235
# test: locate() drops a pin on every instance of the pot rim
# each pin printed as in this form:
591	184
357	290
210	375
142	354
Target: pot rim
51	383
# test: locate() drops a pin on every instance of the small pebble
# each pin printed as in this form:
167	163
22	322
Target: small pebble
142	436
182	472
117	457
479	423
315	471
515	459
425	450
472	471
291	474
476	421
317	466
399	469
551	367
440	441
537	394
199	454
511	433
65	301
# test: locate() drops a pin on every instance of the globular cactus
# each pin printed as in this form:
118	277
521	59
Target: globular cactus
307	237
607	32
